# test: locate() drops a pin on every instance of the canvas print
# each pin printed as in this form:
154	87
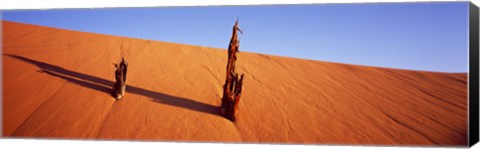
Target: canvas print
334	74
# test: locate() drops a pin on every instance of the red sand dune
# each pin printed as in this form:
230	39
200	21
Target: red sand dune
56	84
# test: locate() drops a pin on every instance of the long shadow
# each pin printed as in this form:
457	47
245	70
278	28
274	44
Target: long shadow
104	85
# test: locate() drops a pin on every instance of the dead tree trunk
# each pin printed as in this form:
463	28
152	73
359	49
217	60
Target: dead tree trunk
233	83
120	79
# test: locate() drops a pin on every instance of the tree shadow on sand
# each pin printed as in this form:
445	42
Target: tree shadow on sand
104	85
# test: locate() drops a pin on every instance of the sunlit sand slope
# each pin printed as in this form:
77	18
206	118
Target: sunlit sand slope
56	84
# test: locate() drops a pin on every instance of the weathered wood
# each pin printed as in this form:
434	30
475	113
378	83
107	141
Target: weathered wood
120	79
233	83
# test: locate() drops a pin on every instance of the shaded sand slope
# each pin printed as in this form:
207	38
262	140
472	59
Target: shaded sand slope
57	84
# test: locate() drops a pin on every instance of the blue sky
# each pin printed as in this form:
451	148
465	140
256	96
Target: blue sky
429	36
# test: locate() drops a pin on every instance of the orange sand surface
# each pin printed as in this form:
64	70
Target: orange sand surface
56	84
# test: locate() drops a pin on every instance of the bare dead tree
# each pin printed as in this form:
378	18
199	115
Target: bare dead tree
120	79
232	88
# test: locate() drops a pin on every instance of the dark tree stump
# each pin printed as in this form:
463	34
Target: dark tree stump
120	78
233	83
